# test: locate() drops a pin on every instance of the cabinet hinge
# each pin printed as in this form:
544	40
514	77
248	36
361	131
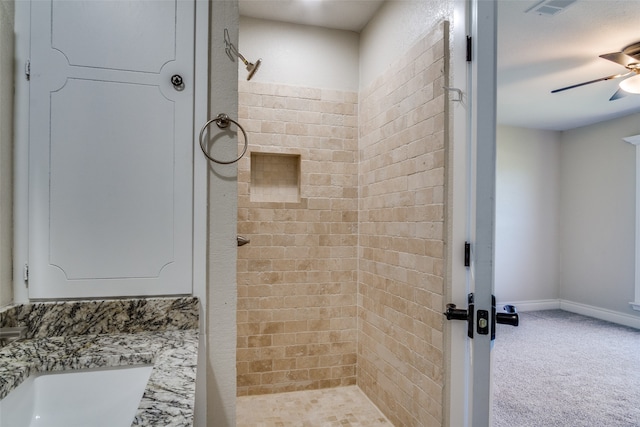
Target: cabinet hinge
27	69
469	44
467	254
25	273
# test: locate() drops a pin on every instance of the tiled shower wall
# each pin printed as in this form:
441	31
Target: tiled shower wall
402	234
297	290
377	213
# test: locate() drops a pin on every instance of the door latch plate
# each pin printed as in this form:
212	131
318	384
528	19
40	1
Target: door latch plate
483	322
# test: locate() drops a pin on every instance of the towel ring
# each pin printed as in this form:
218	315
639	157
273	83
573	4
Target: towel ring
222	121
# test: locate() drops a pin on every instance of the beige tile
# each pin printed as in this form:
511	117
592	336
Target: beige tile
340	407
371	207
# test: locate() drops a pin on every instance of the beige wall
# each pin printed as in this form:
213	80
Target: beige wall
402	236
596	240
395	28
221	294
546	182
300	55
297	277
527	210
6	150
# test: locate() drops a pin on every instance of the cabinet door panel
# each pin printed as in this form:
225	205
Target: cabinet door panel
110	150
115	34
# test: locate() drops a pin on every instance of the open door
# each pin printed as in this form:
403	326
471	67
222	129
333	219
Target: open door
483	125
473	302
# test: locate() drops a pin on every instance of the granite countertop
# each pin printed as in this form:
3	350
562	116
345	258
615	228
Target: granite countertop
170	393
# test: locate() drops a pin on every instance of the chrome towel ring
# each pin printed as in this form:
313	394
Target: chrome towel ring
222	121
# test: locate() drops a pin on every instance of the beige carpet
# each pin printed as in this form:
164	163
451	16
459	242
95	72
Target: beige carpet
562	369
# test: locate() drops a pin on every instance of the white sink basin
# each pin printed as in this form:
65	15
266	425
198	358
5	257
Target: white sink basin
106	397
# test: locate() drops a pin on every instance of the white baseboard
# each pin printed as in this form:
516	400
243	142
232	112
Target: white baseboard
575	307
601	313
531	305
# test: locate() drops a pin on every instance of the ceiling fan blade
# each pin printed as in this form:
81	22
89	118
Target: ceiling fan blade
620	58
619	94
615	76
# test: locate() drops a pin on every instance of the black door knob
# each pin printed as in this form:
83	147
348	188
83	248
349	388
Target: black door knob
454	313
510	317
484	318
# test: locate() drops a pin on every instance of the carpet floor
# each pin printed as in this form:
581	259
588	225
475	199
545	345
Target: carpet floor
563	369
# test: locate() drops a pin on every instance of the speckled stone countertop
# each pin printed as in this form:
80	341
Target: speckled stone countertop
95	334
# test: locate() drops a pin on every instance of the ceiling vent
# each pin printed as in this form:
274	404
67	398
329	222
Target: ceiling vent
550	7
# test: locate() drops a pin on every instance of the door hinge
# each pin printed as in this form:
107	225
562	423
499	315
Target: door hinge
469	44
25	273
467	254
27	69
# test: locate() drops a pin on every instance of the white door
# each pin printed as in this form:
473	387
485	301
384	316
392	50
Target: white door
484	129
110	148
470	370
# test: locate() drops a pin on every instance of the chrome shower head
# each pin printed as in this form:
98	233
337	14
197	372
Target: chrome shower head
252	68
230	48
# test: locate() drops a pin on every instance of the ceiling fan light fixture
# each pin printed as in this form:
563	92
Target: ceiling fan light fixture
631	85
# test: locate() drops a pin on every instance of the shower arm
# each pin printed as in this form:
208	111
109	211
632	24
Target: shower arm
231	48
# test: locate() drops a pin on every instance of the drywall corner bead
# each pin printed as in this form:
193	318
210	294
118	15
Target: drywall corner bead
634	139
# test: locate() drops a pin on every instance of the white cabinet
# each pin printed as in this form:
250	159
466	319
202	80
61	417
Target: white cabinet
110	148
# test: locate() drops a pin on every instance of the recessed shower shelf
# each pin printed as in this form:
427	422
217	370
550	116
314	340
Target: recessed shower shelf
275	177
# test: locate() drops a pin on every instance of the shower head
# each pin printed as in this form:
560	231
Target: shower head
230	48
251	67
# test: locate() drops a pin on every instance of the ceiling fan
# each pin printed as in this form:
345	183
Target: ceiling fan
629	58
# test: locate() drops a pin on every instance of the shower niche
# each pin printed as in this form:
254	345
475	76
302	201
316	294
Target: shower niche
275	177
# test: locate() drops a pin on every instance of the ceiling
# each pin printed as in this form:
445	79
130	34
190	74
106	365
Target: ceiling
351	15
536	53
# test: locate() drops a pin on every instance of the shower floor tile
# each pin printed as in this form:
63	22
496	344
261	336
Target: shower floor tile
342	406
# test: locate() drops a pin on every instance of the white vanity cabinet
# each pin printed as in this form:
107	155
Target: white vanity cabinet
110	148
